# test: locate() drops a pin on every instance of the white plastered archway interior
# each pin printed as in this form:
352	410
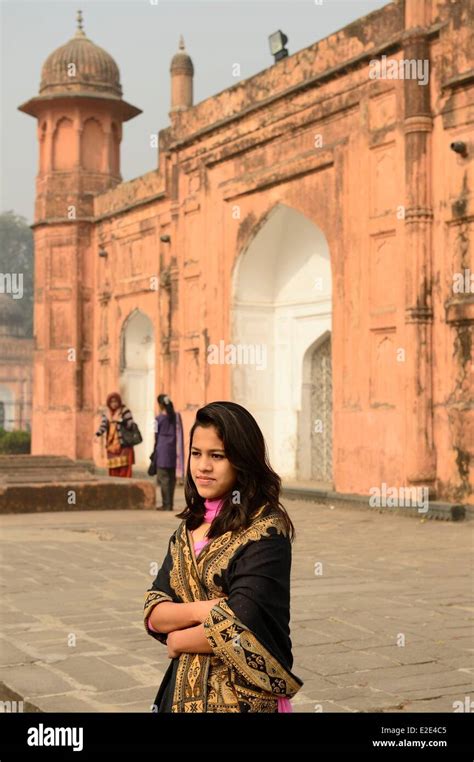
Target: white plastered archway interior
137	378
281	303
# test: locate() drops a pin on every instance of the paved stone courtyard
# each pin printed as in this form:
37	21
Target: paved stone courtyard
382	610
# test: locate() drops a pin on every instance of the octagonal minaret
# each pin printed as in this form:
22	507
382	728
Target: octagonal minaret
79	112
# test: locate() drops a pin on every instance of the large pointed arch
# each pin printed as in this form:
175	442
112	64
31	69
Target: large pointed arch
281	304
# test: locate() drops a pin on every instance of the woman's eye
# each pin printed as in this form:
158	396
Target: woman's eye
215	455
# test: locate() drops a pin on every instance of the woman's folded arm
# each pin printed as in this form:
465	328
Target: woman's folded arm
167	617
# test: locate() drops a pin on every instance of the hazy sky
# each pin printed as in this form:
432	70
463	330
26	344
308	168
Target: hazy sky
142	36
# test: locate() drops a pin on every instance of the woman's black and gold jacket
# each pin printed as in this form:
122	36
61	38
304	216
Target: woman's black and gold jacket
248	630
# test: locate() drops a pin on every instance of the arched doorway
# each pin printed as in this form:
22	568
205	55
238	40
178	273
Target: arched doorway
282	305
315	422
137	378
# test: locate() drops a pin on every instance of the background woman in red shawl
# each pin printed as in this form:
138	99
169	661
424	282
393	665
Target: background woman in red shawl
120	457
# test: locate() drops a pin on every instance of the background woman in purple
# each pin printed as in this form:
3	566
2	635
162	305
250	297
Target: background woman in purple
168	453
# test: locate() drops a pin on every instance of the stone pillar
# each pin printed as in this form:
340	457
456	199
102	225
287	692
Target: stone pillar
420	453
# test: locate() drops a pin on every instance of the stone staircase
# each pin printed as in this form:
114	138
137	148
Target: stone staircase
28	469
36	483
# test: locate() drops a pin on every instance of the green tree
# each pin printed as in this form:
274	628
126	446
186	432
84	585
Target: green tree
16	256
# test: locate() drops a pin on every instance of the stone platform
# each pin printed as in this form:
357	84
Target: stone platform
381	611
43	483
324	494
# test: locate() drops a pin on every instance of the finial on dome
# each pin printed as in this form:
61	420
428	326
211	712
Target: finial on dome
182	71
80	30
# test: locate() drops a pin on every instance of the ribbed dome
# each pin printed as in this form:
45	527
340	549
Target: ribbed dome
181	62
95	70
11	316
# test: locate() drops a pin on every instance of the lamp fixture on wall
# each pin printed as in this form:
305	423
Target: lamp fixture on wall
459	147
277	42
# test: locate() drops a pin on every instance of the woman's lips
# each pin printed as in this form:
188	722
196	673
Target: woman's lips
204	480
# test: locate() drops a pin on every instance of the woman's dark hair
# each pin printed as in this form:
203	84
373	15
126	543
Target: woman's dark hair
113	396
256	484
165	402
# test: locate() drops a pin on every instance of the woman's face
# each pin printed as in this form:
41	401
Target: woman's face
212	472
114	403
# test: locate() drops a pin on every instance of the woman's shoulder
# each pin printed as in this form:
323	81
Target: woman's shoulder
264	540
175	536
268	521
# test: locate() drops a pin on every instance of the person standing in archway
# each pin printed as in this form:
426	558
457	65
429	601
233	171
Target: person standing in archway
167	457
120	457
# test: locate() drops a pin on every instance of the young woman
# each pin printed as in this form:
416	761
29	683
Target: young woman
221	600
120	458
168	453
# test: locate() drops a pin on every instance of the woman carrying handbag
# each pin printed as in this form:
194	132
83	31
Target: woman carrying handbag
121	435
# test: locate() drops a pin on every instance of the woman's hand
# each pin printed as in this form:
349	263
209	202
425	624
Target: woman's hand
172	645
192	640
202	608
177	638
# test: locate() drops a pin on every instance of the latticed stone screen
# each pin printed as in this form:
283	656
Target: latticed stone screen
321	408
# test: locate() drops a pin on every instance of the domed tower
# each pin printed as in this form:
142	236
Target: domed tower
80	112
182	72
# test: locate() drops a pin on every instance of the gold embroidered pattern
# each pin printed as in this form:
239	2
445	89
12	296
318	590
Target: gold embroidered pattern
152	597
216	556
221	696
190	692
238	647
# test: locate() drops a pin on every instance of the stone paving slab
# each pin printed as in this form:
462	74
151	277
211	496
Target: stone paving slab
382	610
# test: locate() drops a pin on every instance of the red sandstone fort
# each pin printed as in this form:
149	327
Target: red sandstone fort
294	249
